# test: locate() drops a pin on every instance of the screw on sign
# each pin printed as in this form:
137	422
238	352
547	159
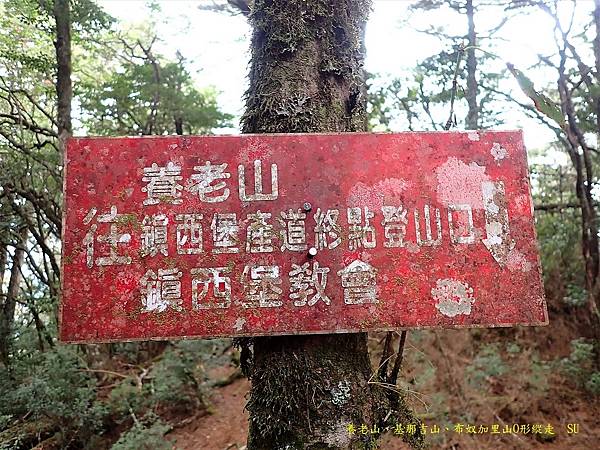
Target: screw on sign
169	237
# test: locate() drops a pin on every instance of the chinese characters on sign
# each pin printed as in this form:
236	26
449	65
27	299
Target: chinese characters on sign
246	235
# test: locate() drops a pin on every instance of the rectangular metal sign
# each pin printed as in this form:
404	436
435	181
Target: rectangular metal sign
168	237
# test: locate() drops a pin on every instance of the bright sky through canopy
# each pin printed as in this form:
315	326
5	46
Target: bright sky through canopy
217	45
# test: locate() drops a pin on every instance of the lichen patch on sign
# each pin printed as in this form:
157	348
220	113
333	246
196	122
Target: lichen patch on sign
498	152
517	261
460	183
453	297
376	194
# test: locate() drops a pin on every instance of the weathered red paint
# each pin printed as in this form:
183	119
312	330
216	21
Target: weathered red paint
487	274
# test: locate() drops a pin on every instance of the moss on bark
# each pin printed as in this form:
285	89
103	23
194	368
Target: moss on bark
307	67
307	75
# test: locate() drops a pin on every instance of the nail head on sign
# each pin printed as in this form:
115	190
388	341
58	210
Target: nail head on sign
312	252
307	206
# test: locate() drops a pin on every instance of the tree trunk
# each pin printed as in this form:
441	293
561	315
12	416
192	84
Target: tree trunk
473	113
597	55
594	300
179	125
64	88
307	75
3	257
149	127
582	163
7	311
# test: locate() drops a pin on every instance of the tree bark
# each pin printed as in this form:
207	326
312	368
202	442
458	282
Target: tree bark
595	297
64	88
7	311
583	188
472	122
307	75
3	257
597	45
149	127
179	125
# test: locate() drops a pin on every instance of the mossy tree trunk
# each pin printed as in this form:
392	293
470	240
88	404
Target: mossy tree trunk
64	88
307	76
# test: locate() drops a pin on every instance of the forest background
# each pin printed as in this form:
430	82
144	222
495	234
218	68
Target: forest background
134	68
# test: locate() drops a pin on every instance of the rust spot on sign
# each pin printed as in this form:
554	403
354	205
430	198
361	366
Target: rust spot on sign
168	237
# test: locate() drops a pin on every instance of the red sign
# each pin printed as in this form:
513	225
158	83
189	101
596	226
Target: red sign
170	237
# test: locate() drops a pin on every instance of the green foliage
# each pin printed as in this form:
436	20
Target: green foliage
173	383
86	16
88	19
558	230
145	93
533	372
542	102
176	377
487	363
53	385
58	386
579	365
576	296
559	237
420	100
429	4
21	25
31	21
126	398
513	348
592	384
6	420
147	434
54	389
539	371
582	352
